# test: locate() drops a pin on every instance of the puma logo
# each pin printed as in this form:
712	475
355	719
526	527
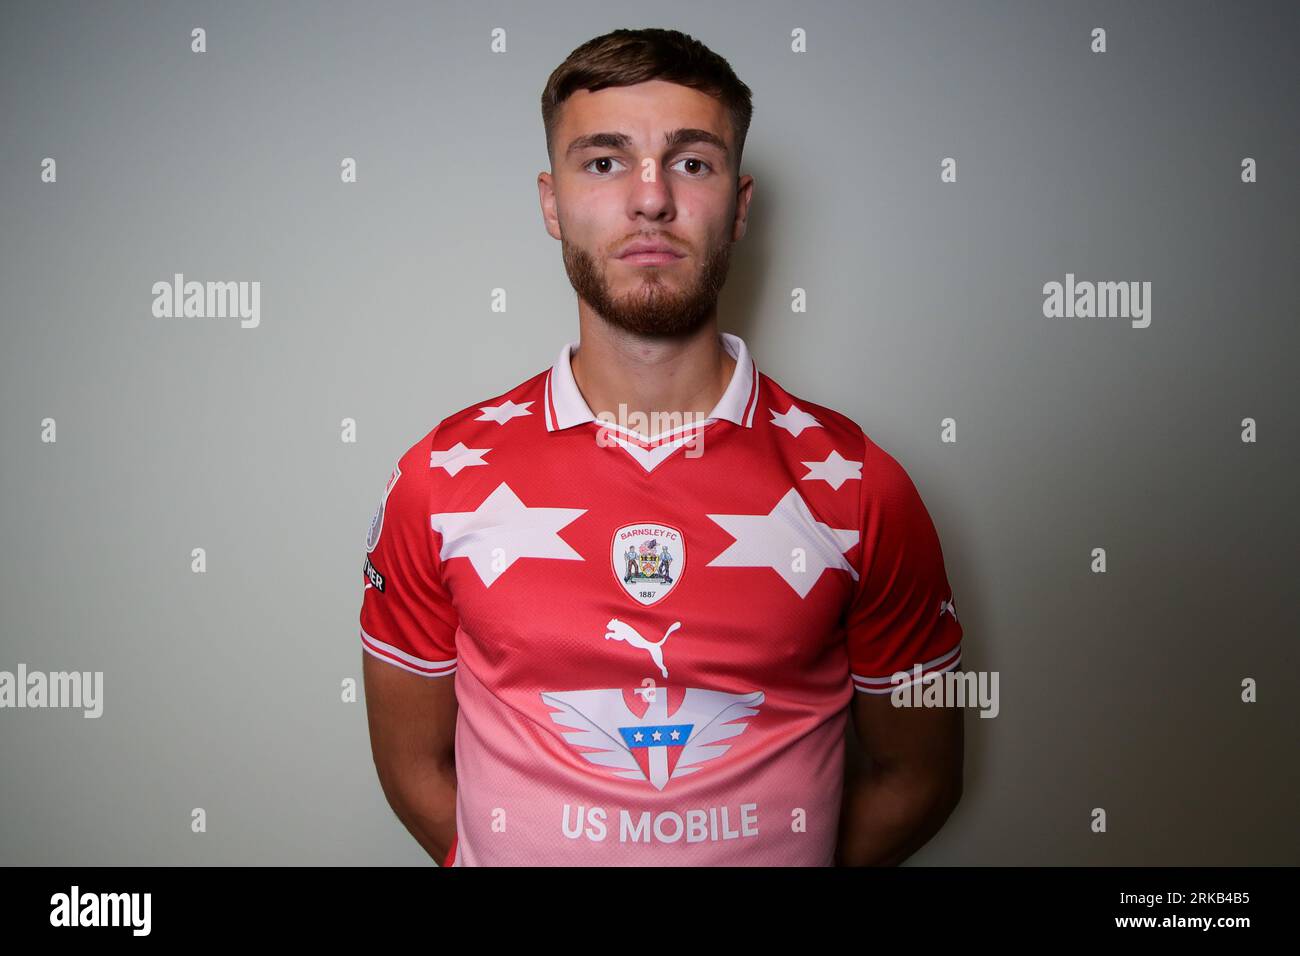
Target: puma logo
622	631
947	606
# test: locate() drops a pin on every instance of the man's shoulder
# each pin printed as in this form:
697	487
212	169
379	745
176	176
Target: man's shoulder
803	422
806	427
514	416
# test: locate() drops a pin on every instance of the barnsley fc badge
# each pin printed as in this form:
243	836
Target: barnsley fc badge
377	520
648	559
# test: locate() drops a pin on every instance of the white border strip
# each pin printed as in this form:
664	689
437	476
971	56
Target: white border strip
387	652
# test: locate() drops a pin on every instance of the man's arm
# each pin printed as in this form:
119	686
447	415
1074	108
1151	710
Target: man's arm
902	619
412	737
914	780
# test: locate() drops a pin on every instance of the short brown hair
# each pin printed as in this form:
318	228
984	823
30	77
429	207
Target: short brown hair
625	57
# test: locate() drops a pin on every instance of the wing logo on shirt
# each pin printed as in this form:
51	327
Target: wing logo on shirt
648	558
656	747
377	520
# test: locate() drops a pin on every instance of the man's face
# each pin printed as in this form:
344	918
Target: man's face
650	163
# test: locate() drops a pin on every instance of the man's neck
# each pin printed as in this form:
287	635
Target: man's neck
667	381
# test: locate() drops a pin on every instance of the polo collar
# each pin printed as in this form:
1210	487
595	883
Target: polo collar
565	406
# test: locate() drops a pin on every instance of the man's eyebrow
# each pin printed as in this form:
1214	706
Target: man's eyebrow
603	140
672	140
685	137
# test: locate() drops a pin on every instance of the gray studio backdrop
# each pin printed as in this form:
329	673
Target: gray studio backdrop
222	689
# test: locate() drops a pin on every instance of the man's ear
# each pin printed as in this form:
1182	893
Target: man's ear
744	192
546	199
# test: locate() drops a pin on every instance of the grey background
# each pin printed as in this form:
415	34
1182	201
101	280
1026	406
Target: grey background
222	689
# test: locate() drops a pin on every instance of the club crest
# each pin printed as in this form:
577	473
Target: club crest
648	560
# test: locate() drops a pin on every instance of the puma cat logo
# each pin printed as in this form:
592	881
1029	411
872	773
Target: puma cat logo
622	631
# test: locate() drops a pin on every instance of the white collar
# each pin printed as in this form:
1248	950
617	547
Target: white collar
565	406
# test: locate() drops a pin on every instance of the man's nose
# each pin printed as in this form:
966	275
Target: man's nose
651	193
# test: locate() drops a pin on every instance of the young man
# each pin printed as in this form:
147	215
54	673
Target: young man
602	716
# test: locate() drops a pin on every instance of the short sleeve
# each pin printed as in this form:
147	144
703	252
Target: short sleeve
903	616
407	616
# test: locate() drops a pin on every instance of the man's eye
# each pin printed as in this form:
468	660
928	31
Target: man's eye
695	159
601	159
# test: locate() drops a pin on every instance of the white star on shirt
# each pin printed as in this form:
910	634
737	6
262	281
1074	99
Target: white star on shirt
794	420
503	413
835	470
457	457
768	541
501	531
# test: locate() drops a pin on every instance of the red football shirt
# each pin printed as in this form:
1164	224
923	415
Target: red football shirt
654	643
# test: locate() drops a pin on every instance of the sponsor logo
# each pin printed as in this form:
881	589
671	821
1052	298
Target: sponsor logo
622	631
373	578
655	746
377	520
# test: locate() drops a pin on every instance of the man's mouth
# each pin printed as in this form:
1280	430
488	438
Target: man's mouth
649	253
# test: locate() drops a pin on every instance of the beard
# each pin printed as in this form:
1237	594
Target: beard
653	307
